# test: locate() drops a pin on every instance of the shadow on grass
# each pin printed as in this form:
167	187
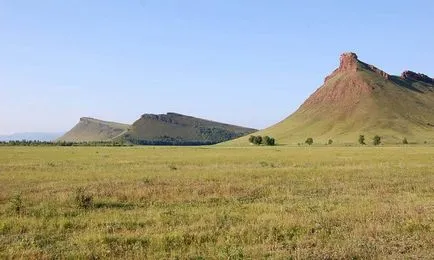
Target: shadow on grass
408	84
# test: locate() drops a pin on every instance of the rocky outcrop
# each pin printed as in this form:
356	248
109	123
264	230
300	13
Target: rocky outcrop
378	71
410	75
348	62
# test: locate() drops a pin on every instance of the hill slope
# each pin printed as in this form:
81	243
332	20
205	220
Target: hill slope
90	129
172	128
358	98
168	129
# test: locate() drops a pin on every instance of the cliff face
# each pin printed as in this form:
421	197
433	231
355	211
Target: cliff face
413	76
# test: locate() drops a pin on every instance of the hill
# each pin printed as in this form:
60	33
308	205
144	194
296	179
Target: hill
177	129
150	129
90	129
361	99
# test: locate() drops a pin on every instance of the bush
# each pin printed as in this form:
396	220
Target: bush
404	141
330	141
258	140
309	141
376	140
83	199
362	139
269	141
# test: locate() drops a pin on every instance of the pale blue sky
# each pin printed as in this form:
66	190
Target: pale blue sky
244	62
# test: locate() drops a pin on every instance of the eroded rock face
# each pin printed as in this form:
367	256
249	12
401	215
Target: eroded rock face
348	62
379	72
410	75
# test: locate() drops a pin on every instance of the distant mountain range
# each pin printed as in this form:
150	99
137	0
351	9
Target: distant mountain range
150	129
33	136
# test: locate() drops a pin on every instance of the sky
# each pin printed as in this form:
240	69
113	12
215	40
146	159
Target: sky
245	62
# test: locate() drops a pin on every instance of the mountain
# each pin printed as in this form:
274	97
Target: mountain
150	129
91	129
173	128
361	99
33	136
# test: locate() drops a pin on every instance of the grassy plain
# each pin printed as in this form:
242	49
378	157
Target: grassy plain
218	202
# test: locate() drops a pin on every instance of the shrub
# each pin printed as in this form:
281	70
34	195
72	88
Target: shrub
330	141
269	140
404	141
83	199
362	139
376	140
309	141
258	140
266	139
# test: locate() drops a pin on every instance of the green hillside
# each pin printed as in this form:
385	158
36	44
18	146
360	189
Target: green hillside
360	99
166	129
177	129
90	129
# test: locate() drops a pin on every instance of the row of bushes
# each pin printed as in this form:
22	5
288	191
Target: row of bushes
376	140
258	140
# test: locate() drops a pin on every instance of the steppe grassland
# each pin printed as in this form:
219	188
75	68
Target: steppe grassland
217	202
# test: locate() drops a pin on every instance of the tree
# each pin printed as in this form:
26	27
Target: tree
376	140
309	141
258	140
404	141
252	139
362	139
266	139
269	140
330	141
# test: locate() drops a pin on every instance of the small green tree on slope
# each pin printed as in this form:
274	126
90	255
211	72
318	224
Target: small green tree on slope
362	139
376	140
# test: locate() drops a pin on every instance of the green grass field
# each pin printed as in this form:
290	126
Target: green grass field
217	202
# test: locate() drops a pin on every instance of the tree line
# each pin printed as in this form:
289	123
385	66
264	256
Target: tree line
376	140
